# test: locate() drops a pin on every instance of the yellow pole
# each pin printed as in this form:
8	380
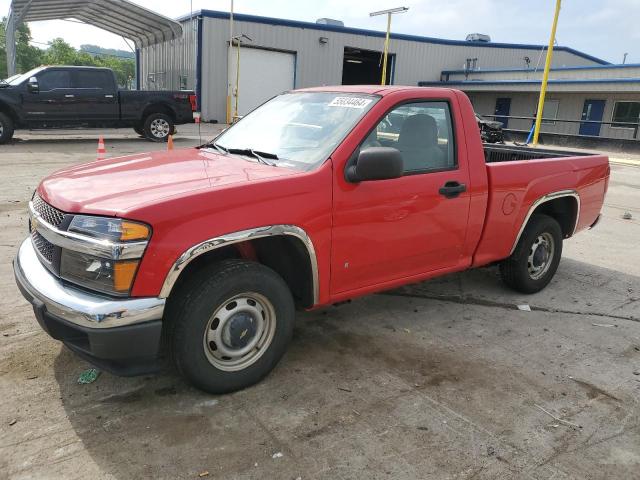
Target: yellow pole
386	51
545	77
237	78
229	87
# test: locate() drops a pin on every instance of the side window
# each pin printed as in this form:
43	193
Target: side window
52	79
93	79
422	132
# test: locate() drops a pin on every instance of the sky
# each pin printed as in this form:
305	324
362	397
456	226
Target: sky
603	28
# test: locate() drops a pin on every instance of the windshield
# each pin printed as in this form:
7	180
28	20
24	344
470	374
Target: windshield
298	130
18	79
8	80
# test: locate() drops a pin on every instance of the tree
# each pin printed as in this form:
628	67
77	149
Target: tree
27	56
61	53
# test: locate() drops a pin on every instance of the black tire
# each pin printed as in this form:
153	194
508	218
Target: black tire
139	130
517	270
152	124
212	291
6	128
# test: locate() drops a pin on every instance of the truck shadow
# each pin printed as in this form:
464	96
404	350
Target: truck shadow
367	357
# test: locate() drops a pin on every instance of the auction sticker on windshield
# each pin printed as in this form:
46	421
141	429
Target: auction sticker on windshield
350	102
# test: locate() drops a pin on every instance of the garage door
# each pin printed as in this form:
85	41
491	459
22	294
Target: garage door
263	74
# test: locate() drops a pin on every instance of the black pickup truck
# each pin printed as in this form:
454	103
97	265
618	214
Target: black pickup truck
88	97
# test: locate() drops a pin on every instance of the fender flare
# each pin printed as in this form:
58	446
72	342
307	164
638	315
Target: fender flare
241	236
542	200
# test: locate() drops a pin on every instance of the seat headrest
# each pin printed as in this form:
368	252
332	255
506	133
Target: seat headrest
419	130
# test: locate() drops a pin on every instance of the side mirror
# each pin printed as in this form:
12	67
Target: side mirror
376	163
32	85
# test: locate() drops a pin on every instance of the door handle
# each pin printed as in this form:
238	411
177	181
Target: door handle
69	96
108	96
452	189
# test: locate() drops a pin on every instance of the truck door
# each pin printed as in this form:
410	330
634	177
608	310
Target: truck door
53	101
96	95
386	230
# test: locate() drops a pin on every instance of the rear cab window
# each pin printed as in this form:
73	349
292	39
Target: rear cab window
93	79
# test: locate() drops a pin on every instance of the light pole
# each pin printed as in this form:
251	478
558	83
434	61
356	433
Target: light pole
238	39
229	84
389	12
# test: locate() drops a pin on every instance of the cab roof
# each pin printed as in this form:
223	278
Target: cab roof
365	89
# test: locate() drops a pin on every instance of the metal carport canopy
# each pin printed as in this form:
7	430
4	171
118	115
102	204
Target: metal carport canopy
120	17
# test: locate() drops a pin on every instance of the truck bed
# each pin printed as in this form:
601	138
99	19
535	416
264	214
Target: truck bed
519	176
510	153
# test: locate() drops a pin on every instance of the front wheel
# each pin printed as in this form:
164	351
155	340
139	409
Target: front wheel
536	258
158	126
6	128
232	324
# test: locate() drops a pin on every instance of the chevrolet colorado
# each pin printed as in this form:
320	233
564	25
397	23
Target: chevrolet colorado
88	97
202	255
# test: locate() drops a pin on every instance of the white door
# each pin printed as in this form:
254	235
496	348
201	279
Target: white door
263	74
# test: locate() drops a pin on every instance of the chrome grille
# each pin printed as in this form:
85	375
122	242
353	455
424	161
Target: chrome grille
49	214
43	246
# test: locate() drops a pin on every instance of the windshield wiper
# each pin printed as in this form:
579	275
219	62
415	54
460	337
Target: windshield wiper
218	147
260	156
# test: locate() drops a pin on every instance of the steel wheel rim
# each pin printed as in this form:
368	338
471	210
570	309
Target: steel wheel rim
159	128
224	342
541	255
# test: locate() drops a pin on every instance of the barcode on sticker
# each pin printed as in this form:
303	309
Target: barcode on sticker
350	102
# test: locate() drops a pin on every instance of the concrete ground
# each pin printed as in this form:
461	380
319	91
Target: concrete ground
441	380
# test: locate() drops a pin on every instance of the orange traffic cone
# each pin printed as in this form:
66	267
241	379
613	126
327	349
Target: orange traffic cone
102	152
170	142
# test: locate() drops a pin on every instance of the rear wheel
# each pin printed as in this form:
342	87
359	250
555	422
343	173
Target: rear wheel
139	130
536	258
6	128
158	126
232	324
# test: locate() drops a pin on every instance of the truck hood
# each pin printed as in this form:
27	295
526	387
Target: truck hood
118	185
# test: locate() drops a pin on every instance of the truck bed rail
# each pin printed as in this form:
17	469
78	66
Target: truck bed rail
511	153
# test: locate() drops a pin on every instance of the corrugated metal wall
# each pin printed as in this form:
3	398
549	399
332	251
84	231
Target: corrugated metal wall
163	65
170	65
321	64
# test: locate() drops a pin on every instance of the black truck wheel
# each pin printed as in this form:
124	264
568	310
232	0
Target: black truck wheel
536	258
230	325
158	126
139	130
6	128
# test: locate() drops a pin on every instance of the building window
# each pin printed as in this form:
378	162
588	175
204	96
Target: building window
550	112
625	113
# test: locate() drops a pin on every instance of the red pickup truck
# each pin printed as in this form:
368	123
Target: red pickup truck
201	256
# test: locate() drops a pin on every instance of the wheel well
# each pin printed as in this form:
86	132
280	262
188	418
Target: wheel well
7	110
158	108
564	210
285	254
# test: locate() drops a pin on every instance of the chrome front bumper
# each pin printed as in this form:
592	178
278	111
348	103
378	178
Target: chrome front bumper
75	306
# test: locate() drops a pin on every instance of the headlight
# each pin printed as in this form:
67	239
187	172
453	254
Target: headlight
114	229
114	277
